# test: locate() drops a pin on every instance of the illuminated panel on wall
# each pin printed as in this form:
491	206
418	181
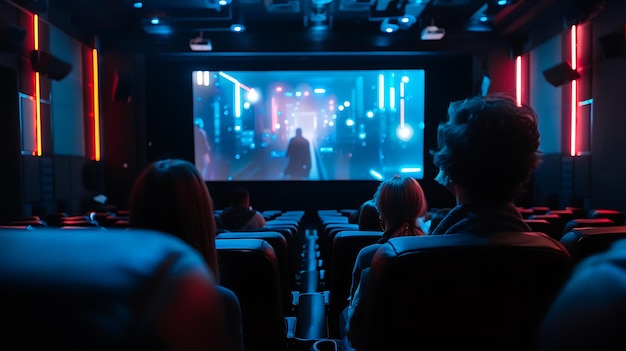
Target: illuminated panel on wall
96	106
38	150
574	97
518	80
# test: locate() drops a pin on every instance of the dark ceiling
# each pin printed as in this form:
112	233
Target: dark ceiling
321	25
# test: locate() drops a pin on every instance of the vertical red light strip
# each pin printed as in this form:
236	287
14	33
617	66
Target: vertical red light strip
574	101
96	105
38	149
518	80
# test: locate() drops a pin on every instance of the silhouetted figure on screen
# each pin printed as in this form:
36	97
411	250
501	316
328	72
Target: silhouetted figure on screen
299	157
202	149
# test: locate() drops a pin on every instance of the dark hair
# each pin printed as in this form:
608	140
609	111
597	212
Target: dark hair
368	216
170	196
400	201
239	197
489	147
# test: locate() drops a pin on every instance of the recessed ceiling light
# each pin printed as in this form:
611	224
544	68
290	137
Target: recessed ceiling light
237	28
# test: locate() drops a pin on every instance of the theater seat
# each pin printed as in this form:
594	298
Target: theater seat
616	216
461	291
584	242
249	268
346	247
587	222
105	290
279	244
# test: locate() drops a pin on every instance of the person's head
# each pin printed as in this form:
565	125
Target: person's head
368	216
488	147
170	196
298	132
400	202
239	197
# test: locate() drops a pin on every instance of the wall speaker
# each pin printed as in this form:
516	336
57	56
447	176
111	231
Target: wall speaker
45	63
560	74
11	37
122	87
614	44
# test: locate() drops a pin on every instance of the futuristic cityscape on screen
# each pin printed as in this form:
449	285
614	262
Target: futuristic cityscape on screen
359	125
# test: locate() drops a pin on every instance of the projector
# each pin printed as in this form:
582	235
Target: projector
433	33
200	44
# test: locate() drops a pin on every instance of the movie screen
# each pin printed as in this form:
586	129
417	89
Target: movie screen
308	125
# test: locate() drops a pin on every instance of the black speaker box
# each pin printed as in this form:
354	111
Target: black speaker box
45	63
560	74
122	87
11	37
613	44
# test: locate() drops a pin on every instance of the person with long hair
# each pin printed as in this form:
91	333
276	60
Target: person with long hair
170	196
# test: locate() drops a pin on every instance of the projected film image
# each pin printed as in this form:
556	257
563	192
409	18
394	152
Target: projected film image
308	125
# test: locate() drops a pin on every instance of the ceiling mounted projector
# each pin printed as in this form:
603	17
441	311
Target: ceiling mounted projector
433	33
200	44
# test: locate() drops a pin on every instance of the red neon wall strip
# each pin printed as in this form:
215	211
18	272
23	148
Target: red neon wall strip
574	101
96	106
38	149
518	80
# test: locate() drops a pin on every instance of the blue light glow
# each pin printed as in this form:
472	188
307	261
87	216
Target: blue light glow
376	175
138	4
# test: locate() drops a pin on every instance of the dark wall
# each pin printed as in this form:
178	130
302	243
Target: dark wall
169	125
608	181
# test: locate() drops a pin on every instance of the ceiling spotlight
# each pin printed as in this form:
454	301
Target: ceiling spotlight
237	28
406	21
387	27
200	44
433	33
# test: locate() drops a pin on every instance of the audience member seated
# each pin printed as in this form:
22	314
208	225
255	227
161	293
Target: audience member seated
590	313
486	154
400	202
240	215
366	216
170	196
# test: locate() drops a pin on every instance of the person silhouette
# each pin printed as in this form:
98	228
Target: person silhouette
299	155
202	149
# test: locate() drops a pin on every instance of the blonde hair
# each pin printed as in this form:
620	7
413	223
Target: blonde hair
400	202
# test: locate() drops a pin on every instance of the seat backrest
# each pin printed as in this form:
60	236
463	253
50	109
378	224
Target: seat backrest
279	244
616	216
462	291
584	242
587	222
249	268
558	223
346	247
105	290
